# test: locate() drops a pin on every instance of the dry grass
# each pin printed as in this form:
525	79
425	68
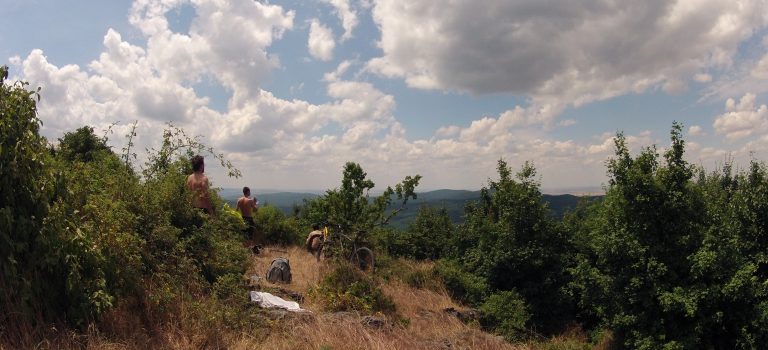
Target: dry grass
421	322
305	270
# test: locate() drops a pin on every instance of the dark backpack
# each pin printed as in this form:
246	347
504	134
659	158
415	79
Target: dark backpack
279	271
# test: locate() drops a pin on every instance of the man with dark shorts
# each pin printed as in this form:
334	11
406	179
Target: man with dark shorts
246	206
197	182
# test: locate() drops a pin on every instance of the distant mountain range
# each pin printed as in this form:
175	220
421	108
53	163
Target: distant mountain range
453	200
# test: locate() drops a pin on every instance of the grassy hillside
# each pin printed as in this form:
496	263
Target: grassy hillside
420	323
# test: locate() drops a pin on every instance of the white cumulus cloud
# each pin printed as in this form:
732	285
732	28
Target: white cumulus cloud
742	119
320	43
696	130
346	14
559	53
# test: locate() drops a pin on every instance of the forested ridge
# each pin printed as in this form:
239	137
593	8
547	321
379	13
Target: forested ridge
93	245
453	201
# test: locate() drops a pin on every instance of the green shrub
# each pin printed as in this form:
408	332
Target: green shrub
462	285
273	227
427	237
346	288
52	267
407	271
506	314
230	288
510	239
83	231
674	258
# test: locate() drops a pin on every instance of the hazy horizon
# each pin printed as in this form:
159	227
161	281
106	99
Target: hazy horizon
550	191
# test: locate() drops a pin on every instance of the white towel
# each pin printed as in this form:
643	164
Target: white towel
269	301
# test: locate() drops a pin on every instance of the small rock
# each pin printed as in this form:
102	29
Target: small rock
340	315
276	314
374	322
464	315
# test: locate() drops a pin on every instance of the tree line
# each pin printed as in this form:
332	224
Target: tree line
673	257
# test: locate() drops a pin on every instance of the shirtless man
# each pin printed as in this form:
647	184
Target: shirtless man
197	182
246	205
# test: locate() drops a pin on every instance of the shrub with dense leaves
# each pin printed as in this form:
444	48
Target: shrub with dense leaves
505	314
427	237
51	267
346	288
510	240
464	286
273	227
83	232
349	208
669	261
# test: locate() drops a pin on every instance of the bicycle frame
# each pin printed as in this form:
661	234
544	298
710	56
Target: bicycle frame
353	251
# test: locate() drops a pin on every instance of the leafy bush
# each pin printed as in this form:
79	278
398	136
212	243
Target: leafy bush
51	267
505	314
85	232
427	238
422	279
82	145
346	288
509	239
350	209
463	286
273	227
674	262
230	288
422	276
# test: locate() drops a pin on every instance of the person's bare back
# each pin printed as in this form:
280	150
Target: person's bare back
197	182
246	205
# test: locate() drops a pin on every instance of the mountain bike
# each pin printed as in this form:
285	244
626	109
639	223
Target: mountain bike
353	249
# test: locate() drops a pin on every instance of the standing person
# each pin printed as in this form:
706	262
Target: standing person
314	242
246	205
197	182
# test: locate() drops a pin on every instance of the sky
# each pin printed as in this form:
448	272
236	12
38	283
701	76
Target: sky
291	90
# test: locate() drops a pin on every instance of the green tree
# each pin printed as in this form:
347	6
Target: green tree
351	207
427	237
510	240
641	244
731	263
82	145
27	188
50	271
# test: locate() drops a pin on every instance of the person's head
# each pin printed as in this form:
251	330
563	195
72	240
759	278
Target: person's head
246	191
198	163
315	226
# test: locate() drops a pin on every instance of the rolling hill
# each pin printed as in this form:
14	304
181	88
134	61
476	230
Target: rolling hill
453	200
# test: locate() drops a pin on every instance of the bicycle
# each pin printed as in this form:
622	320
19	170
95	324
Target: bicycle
352	249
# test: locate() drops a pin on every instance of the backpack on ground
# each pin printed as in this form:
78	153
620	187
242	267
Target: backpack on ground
279	271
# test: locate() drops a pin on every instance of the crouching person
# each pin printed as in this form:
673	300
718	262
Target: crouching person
314	242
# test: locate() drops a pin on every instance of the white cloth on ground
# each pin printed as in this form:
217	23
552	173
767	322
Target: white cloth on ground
269	301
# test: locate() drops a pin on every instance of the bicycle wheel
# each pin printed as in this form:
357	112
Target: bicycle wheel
363	258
